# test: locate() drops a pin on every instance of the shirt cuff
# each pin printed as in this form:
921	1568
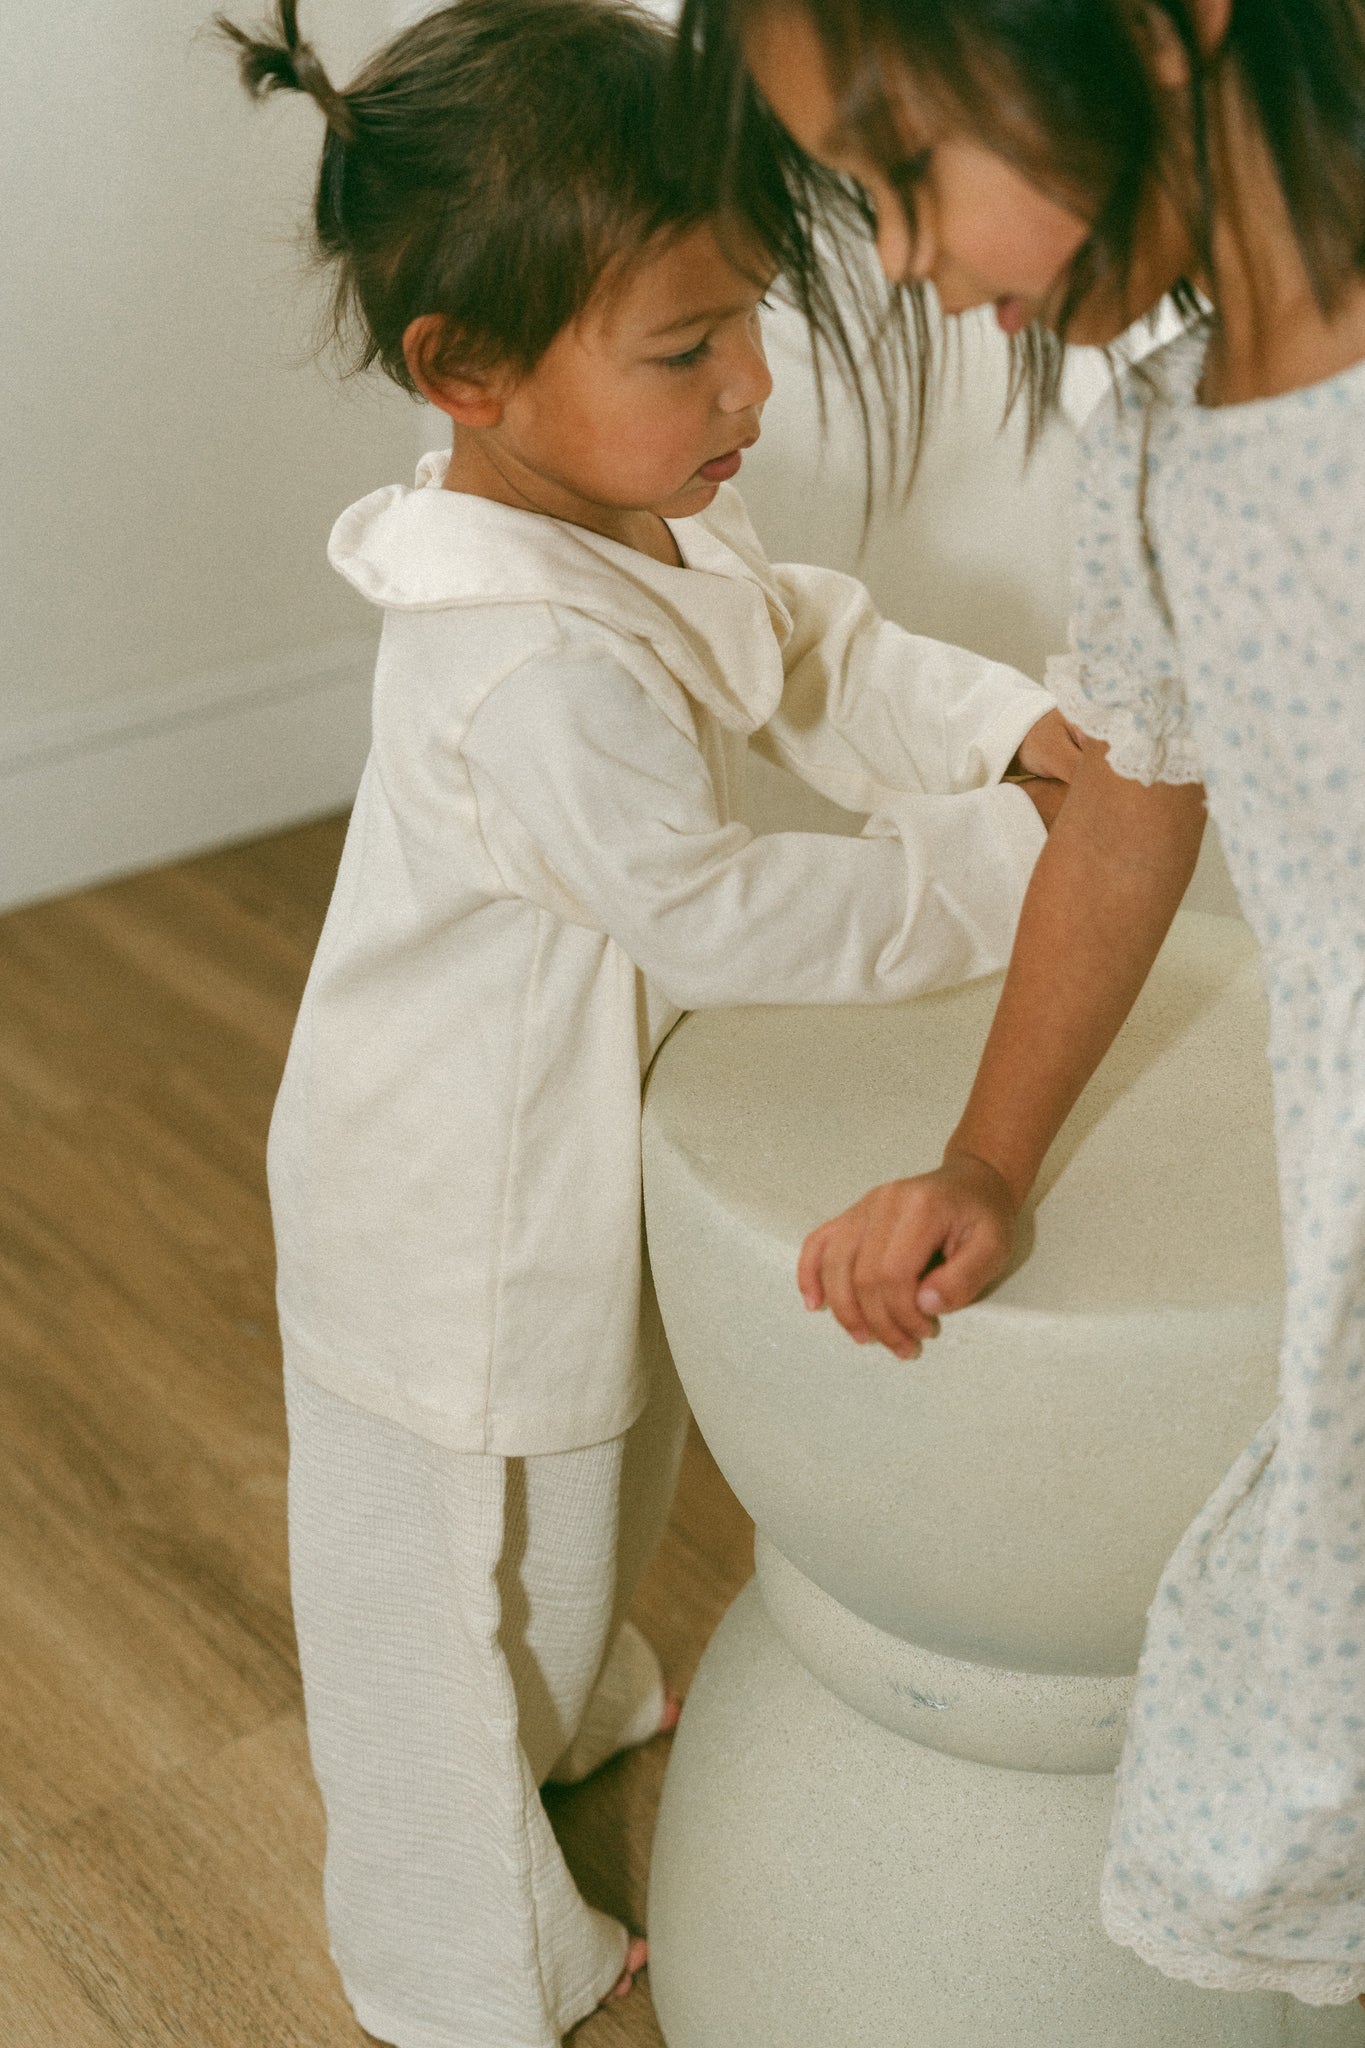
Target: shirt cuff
1001	740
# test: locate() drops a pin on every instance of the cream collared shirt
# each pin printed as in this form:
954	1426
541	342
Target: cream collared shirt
543	870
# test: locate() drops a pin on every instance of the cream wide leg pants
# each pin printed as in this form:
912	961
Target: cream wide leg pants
462	1638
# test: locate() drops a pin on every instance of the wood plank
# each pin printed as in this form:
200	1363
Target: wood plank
161	1880
143	1596
41	2005
189	1912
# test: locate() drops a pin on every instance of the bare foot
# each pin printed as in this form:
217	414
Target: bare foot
637	1956
672	1710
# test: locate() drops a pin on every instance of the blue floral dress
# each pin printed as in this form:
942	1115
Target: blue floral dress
1220	637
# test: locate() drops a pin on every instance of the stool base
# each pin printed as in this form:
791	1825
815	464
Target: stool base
819	1881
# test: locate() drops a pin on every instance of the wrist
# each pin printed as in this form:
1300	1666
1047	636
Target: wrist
1009	1187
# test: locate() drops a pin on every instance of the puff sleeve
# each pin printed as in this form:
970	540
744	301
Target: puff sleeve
1121	682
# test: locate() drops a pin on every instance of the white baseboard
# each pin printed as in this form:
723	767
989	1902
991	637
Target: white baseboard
99	790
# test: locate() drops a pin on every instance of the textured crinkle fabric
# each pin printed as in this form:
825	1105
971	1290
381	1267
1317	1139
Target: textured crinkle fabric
1221	637
461	1637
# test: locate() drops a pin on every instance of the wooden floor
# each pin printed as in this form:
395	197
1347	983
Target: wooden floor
160	1835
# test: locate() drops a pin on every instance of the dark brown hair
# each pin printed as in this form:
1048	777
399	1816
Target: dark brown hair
1064	90
494	159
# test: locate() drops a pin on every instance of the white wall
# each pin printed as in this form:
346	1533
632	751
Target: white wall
177	662
979	553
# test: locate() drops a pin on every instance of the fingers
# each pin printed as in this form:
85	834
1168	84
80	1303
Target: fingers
1047	798
899	1240
841	1293
808	1267
909	1252
1046	748
841	1241
1052	748
865	1267
970	1263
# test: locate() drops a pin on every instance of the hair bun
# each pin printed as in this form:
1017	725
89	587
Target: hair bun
281	62
314	80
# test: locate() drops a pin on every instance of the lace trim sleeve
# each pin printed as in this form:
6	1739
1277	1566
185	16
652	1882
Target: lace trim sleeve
1315	1983
1144	723
1121	682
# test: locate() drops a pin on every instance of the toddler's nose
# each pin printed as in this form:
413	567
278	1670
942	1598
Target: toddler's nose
750	384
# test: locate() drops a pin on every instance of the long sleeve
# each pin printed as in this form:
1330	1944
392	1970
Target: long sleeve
594	803
870	711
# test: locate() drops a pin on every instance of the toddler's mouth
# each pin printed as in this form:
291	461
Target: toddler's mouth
722	467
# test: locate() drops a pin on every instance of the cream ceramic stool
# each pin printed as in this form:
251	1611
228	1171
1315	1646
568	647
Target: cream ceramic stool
885	1815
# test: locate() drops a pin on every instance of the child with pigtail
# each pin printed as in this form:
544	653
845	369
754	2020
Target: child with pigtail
582	639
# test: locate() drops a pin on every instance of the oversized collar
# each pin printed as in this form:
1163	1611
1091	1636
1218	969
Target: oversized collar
718	625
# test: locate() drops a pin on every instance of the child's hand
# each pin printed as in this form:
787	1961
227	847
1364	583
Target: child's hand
869	1265
1047	798
1052	748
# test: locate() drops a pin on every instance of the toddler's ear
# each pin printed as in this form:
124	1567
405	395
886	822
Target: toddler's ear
468	400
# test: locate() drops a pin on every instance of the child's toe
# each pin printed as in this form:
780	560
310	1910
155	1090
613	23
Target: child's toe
637	1956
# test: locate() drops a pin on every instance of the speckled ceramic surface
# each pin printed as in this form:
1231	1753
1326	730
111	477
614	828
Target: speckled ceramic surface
885	1816
1012	1495
819	1882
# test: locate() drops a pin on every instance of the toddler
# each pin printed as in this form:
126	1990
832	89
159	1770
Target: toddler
545	867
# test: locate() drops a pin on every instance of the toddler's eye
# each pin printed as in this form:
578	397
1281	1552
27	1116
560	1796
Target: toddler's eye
690	357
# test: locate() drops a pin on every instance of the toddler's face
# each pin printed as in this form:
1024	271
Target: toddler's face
983	235
646	402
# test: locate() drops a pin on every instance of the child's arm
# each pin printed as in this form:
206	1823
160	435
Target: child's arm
871	712
1105	889
597	803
